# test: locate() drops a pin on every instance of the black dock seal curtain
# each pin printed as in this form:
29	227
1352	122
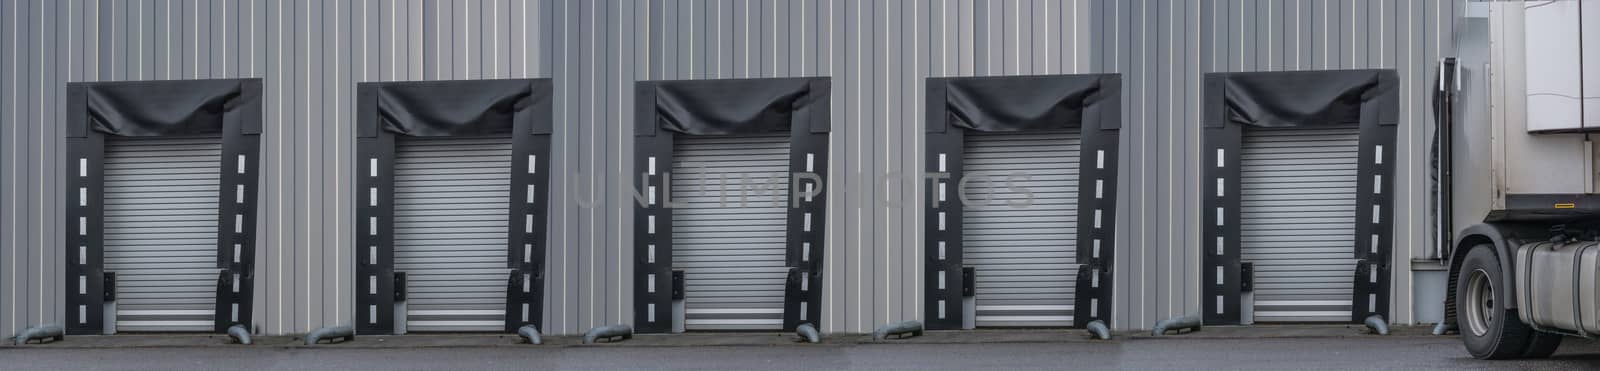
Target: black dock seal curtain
520	108
1297	99
96	110
667	109
957	105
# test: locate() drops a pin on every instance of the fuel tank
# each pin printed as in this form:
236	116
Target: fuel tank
1559	285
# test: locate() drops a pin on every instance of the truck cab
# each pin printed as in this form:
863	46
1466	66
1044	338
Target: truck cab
1517	204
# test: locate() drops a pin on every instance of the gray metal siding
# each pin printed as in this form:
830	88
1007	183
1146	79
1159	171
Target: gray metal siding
728	218
161	199
877	52
1297	220
450	228
1023	244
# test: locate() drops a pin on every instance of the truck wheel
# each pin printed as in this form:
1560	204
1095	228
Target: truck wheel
1487	328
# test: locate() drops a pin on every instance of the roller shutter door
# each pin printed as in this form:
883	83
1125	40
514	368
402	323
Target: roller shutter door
1025	257
161	199
732	254
1297	221
450	231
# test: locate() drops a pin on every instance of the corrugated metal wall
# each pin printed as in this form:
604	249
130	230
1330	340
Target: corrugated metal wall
877	52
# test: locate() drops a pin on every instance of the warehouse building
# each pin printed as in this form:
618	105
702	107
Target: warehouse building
874	255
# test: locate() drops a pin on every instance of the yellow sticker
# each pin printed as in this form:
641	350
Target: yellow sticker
1567	205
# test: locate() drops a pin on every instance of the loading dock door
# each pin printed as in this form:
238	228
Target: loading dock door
732	254
161	197
1024	257
1297	222
450	209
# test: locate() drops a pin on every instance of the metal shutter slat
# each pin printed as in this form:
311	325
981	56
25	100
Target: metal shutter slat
733	253
1297	220
450	230
160	231
1025	257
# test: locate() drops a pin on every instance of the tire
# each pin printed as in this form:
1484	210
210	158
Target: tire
1542	345
1487	329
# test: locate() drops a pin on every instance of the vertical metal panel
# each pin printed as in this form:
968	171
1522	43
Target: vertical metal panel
304	267
161	199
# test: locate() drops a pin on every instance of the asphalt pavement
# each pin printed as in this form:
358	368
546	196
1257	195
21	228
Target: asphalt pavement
1128	353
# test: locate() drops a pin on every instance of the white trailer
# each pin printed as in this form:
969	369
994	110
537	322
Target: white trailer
1516	110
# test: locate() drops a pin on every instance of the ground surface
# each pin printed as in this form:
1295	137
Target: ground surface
1220	348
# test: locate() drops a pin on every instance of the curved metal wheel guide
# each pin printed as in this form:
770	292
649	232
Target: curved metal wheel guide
1099	330
900	330
611	333
239	334
1377	324
808	333
1444	328
344	332
54	332
531	334
1185	322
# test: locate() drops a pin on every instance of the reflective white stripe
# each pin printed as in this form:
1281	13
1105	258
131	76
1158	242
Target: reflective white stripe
83	167
83	196
1378	155
1099	189
941	250
527	253
650	312
1219	245
83	255
941	167
1220	187
805	251
372	196
1376	212
372	167
1097	218
83	226
372	285
533	164
941	309
1100	159
1377	184
241	164
1220	153
1219	216
651	195
941	220
650	224
650	283
238	193
372	314
650	253
811	163
83	285
807	222
238	223
1096	247
941	280
652	167
531	194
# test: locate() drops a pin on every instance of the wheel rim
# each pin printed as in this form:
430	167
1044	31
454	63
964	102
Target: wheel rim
1480	308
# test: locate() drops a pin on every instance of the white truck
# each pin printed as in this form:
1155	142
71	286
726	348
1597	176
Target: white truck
1519	212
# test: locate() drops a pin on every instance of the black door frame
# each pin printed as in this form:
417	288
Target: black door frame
96	110
666	109
521	108
1297	99
956	105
